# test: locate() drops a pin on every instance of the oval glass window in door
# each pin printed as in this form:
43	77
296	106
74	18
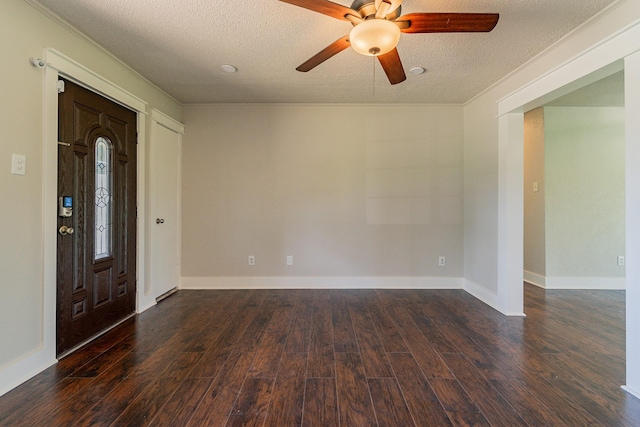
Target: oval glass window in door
103	205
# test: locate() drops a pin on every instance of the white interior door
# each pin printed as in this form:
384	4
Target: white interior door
165	165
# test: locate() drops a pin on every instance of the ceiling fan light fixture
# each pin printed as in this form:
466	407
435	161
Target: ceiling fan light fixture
374	37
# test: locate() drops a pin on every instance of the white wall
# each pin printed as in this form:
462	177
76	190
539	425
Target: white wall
481	195
574	226
584	192
358	195
26	31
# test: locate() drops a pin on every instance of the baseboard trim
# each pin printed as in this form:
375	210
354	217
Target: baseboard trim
314	282
481	293
20	371
535	279
487	297
631	391
587	283
147	305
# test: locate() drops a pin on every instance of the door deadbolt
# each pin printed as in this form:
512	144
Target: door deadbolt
159	221
64	230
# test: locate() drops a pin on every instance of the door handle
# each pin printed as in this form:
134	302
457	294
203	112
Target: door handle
64	230
159	221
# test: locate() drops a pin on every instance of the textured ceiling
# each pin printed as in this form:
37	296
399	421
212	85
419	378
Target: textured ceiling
181	44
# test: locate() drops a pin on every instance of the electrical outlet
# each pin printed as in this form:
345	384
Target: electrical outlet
252	260
442	261
620	260
18	164
289	259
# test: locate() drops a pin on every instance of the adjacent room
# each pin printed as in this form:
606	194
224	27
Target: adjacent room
305	212
574	189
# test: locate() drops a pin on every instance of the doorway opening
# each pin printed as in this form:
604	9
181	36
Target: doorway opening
574	189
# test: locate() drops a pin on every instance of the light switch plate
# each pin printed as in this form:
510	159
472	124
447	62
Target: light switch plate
18	164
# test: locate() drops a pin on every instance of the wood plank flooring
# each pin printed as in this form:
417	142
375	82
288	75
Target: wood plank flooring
344	358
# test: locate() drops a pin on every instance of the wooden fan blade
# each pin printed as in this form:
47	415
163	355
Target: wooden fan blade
448	22
325	7
392	67
326	53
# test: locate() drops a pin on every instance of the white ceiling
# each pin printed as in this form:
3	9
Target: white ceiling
180	45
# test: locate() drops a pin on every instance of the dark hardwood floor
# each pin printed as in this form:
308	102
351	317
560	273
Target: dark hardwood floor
344	358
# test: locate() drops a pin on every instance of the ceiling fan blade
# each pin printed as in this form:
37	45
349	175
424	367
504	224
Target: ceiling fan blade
448	22
392	67
326	53
325	7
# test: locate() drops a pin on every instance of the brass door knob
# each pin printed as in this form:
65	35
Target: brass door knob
64	230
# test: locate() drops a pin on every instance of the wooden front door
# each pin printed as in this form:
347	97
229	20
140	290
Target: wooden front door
96	279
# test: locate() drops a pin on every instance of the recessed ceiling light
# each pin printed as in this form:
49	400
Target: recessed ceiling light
229	68
417	70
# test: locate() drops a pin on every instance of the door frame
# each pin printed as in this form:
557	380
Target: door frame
59	65
619	51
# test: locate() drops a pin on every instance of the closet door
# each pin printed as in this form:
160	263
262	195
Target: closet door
165	172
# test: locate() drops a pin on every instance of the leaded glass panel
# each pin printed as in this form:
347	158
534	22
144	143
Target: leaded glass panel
103	203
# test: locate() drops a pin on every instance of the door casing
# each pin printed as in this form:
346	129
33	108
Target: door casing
59	65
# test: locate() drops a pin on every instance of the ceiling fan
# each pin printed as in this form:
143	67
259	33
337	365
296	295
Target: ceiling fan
377	25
